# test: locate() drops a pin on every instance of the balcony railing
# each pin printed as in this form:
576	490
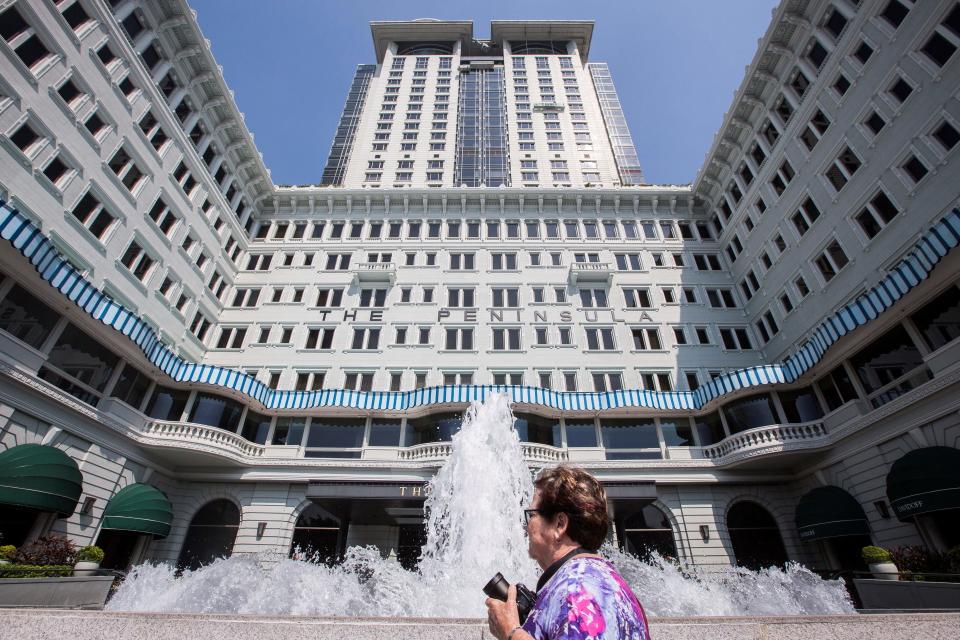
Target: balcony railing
198	435
778	437
376	271
590	272
532	452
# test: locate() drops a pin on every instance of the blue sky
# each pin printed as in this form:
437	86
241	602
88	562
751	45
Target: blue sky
676	65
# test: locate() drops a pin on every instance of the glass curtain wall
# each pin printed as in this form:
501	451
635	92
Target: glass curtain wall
482	152
624	152
336	167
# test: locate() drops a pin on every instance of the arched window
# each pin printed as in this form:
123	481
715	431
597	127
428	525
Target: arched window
211	535
755	537
646	531
315	536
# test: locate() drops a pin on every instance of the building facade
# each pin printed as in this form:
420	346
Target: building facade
761	365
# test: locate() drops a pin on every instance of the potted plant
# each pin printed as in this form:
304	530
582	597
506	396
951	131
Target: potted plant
880	562
6	553
88	561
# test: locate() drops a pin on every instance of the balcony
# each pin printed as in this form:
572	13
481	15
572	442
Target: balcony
590	272
776	438
376	271
439	451
199	437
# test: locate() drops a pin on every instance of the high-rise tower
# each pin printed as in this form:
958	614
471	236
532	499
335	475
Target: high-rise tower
444	109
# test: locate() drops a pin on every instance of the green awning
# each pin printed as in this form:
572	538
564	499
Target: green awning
40	477
140	508
830	512
924	480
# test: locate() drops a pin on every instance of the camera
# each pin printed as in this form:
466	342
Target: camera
497	589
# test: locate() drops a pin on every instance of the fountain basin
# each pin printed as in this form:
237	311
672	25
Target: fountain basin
27	624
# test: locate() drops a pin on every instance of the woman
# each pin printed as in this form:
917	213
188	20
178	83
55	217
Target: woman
580	595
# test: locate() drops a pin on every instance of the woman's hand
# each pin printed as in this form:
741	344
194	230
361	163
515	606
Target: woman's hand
503	617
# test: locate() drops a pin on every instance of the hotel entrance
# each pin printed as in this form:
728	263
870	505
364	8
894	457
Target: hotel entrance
387	515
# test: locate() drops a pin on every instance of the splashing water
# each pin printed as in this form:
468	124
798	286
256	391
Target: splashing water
473	530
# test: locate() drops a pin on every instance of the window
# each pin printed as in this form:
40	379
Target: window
600	339
804	218
842	169
702	335
815	130
329	298
503	297
357	382
637	297
894	13
646	338
423	335
22	38
915	168
137	261
365	338
604	382
593	298
942	44
721	298
875	123
460	297
458	339
947	135
735	338
462	261
628	261
126	169
93	215
241	297
831	261
782	177
231	338
841	85
900	90
338	261
506	339
816	54
373	297
319	338
504	261
863	52
876	215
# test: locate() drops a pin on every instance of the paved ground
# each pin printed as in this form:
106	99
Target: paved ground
30	624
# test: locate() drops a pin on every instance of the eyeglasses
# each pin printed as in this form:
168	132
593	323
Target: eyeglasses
529	513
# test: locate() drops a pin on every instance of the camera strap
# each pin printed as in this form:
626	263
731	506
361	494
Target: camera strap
552	569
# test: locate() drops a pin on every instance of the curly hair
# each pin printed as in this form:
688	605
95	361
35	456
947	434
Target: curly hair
578	494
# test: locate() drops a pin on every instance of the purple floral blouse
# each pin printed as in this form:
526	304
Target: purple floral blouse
587	598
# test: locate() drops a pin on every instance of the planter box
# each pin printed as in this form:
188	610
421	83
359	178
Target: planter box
88	592
908	594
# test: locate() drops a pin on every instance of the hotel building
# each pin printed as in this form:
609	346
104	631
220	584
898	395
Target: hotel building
760	365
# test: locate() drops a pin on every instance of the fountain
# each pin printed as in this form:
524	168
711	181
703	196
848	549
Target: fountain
474	530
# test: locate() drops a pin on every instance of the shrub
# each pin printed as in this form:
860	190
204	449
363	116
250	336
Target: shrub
52	549
34	571
90	554
951	559
919	559
874	555
7	551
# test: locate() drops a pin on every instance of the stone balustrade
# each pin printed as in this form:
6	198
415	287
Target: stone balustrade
187	434
774	437
532	452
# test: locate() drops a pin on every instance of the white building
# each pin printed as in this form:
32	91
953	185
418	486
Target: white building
760	365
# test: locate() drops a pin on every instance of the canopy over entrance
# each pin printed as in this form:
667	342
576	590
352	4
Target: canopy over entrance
830	512
139	508
40	477
923	481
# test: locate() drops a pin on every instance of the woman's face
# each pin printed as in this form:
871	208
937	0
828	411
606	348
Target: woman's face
541	534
